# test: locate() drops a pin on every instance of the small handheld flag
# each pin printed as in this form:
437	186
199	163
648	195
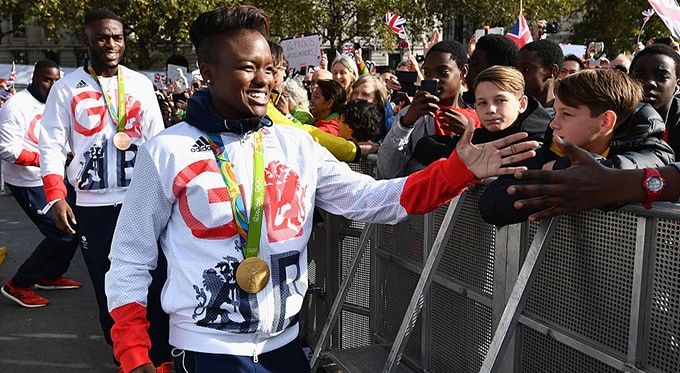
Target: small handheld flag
520	32
396	23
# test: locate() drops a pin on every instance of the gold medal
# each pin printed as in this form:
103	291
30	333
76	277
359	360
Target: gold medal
252	275
121	141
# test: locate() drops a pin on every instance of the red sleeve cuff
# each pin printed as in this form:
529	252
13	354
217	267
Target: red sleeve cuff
437	184
131	341
54	187
27	158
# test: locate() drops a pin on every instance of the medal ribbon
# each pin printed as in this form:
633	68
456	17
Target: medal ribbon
117	116
249	231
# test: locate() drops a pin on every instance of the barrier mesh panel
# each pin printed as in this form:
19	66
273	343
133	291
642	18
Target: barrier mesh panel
315	311
469	254
541	354
359	290
461	332
355	330
584	284
664	325
396	288
404	240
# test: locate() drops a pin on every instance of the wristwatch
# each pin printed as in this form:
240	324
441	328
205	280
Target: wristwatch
653	184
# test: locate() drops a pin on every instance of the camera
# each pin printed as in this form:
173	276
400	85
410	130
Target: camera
550	28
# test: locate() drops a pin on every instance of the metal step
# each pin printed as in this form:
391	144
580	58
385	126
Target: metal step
368	359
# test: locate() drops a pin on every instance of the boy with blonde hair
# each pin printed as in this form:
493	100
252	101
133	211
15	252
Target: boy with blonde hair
599	111
502	108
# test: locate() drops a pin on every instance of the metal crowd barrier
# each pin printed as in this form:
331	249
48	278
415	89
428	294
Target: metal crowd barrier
599	292
3	188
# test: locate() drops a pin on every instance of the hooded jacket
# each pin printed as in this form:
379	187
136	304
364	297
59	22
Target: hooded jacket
636	143
673	126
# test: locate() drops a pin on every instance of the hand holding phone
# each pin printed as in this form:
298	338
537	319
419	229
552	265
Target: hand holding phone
429	86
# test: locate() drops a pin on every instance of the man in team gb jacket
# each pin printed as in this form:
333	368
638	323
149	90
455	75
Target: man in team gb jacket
230	197
101	112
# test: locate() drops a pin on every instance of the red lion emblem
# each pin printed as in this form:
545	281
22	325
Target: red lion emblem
285	208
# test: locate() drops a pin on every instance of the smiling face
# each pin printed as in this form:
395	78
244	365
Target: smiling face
342	75
497	109
439	66
319	106
106	44
569	67
659	81
241	75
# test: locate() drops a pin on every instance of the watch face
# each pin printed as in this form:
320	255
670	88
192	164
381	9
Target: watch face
654	184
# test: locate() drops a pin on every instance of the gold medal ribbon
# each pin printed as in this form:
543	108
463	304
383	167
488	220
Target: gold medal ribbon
117	116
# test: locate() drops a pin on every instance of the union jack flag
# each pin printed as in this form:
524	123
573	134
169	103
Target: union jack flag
159	80
12	75
348	49
669	11
520	32
647	14
396	23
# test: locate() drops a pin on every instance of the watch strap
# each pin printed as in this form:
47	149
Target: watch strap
652	195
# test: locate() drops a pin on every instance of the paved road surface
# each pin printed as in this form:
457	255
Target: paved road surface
62	337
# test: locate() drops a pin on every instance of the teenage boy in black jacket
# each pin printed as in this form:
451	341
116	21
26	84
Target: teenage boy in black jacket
597	110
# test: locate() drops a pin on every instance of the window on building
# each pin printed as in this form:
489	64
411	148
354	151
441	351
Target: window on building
18	28
394	59
20	57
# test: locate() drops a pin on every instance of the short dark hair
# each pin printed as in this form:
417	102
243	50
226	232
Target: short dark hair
548	51
42	64
575	58
384	69
277	53
456	49
178	60
659	48
99	14
225	21
364	118
499	49
332	90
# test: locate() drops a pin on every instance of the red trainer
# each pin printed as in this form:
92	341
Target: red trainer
57	283
23	296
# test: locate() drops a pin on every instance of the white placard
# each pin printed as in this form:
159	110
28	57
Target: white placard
179	73
302	50
576	49
493	30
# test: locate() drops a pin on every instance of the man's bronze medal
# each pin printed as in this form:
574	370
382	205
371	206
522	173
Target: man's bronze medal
252	275
121	141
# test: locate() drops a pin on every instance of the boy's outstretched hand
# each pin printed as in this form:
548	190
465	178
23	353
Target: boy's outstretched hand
489	159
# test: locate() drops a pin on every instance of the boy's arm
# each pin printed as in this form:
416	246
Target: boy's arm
497	207
396	149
